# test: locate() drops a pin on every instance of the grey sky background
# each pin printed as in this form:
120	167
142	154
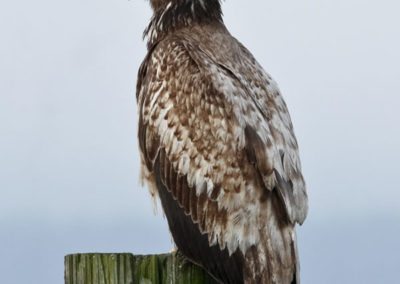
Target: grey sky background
68	152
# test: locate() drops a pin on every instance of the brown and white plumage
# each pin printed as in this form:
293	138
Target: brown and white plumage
218	147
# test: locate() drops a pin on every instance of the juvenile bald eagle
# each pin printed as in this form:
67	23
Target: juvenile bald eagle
218	147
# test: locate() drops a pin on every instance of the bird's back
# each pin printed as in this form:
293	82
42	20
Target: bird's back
218	148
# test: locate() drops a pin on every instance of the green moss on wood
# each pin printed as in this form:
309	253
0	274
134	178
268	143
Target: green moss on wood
129	269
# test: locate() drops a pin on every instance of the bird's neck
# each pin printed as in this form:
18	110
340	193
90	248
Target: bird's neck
175	14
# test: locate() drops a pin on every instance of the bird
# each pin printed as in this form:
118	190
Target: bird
218	148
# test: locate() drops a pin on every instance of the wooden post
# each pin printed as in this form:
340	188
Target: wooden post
124	268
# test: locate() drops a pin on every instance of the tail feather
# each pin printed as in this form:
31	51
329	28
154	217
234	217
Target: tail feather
274	260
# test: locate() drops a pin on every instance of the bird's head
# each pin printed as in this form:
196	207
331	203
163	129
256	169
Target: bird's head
208	5
170	15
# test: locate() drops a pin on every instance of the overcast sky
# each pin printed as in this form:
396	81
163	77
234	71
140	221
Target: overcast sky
69	161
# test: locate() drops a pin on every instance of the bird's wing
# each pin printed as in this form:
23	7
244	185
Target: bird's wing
263	119
271	135
197	121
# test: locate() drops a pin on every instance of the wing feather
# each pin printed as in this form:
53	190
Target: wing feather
257	102
213	138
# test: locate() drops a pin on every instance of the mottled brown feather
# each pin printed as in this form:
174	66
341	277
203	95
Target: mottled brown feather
216	136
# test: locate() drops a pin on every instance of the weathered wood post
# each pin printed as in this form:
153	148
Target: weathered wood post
125	268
